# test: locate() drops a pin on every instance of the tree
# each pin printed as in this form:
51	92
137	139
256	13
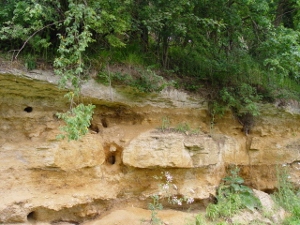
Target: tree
71	25
228	42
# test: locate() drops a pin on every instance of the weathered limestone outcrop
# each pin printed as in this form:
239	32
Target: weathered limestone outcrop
175	150
43	179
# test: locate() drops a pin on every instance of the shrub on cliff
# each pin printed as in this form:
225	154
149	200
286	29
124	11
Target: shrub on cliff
232	197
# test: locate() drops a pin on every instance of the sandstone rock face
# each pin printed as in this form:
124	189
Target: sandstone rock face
138	216
157	149
43	179
268	151
170	150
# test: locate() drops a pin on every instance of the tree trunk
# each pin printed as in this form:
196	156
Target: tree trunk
144	38
280	12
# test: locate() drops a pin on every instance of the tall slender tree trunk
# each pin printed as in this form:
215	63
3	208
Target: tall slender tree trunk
280	12
165	47
144	38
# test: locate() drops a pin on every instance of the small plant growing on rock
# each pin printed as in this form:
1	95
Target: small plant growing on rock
232	197
199	220
288	196
165	124
183	127
77	120
148	81
154	206
165	193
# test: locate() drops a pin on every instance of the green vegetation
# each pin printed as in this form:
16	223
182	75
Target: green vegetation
145	81
245	51
232	197
77	122
181	127
288	196
241	98
165	193
165	124
154	206
185	128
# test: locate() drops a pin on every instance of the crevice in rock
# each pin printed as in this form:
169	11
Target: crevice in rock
113	154
73	215
28	109
111	159
104	123
62	222
31	217
270	191
94	128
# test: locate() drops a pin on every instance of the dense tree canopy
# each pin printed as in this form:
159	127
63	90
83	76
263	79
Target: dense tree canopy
229	43
221	33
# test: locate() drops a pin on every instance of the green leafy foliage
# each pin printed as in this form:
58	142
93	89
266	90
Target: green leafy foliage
183	127
242	99
77	122
145	81
30	62
281	51
288	195
154	206
199	220
69	27
148	81
113	78
219	40
165	124
232	197
233	46
165	192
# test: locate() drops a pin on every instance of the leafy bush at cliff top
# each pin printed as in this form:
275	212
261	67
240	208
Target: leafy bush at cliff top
219	44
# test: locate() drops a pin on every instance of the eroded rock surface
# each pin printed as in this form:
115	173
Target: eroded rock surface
43	179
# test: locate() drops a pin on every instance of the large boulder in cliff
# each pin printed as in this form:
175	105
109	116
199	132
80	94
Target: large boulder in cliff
166	149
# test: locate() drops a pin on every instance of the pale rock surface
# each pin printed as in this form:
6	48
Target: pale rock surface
62	155
165	149
138	216
277	213
158	149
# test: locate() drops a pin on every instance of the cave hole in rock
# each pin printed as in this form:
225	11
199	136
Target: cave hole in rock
28	109
55	116
31	216
104	122
111	159
94	128
66	222
270	191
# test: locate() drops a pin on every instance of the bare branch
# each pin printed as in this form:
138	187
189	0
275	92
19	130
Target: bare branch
289	12
51	24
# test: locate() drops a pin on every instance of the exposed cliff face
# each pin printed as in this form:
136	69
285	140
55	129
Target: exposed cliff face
43	179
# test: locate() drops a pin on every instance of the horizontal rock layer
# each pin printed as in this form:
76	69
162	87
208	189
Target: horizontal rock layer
43	179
